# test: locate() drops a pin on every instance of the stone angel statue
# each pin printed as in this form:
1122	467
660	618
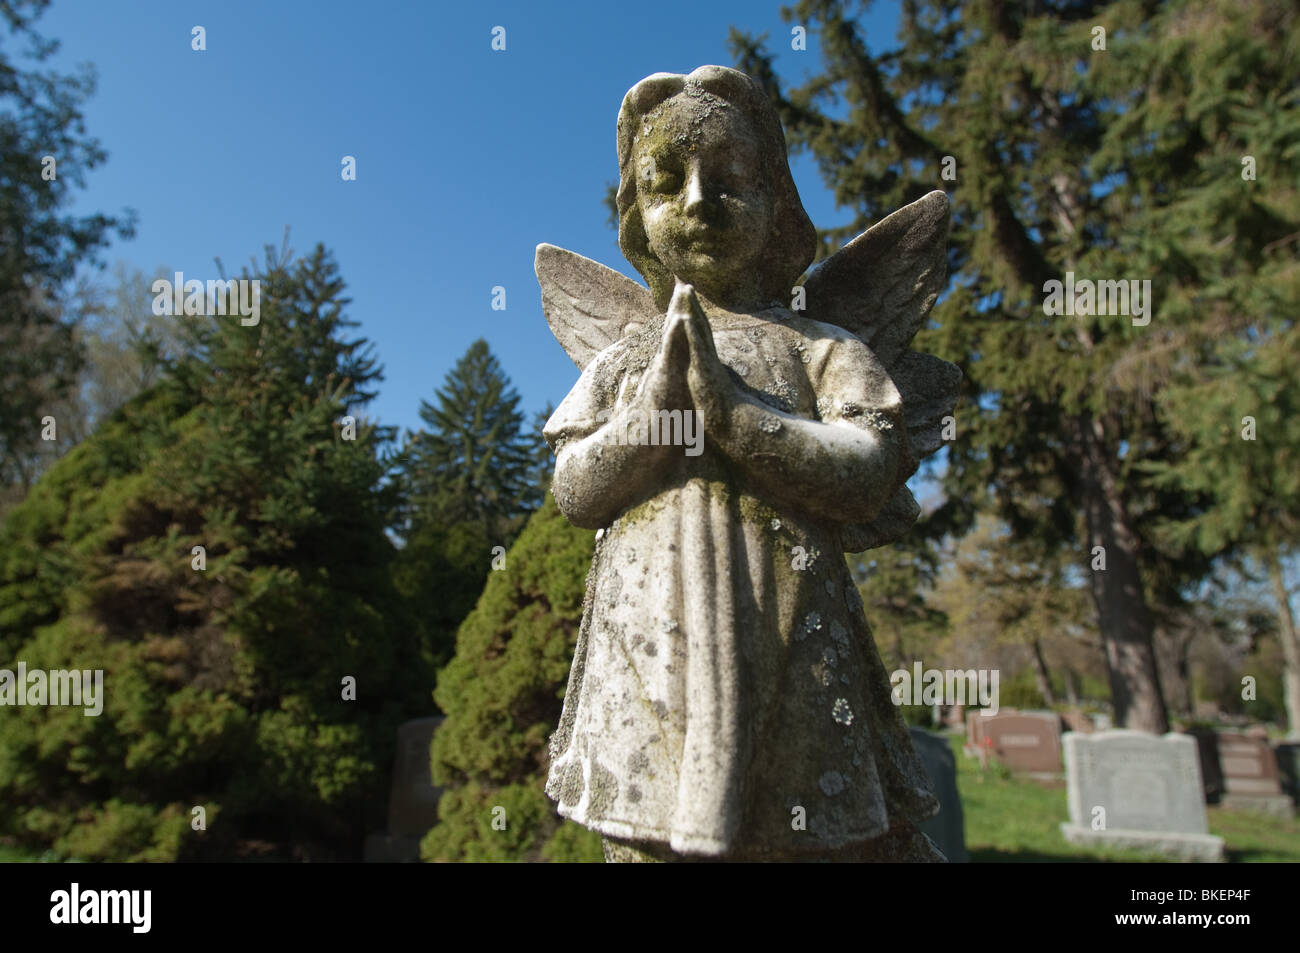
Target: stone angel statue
727	700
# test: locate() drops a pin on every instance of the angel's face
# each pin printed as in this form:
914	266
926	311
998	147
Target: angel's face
703	196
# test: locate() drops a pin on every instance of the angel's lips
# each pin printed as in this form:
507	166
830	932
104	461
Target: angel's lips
702	239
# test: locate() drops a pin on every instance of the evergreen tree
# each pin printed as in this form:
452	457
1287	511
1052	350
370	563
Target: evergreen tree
894	582
466	485
503	693
41	246
474	462
1241	420
1065	151
541	457
226	668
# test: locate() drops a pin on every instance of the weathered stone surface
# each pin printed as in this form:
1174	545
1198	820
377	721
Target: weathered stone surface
947	828
727	700
1137	790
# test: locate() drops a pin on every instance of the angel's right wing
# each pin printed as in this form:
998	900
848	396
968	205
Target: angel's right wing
587	305
881	286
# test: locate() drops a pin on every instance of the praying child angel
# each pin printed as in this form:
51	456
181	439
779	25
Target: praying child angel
727	701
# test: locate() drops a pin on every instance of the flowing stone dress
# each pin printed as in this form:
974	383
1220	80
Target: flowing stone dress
716	689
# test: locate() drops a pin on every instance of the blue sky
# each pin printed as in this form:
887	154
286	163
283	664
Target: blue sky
467	158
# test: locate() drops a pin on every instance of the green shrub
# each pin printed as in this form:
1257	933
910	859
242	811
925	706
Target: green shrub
502	694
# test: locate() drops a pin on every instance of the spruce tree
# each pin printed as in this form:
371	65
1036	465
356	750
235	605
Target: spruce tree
1241	420
467	483
474	462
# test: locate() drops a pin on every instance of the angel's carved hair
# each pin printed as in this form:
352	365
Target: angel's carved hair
791	242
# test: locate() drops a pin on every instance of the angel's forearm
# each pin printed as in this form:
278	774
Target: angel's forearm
598	477
835	472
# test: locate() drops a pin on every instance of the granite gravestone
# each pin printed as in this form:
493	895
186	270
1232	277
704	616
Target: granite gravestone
947	828
1140	791
1026	742
412	799
1241	772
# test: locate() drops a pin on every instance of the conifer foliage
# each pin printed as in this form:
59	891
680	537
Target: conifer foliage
502	694
224	667
1079	142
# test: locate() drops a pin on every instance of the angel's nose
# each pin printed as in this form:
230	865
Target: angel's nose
696	198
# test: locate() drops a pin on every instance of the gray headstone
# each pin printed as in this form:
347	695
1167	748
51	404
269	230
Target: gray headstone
412	800
1138	790
947	828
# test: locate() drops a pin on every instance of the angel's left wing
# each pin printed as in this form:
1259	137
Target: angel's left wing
881	286
587	305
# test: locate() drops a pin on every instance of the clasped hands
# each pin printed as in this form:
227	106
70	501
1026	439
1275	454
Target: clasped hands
686	372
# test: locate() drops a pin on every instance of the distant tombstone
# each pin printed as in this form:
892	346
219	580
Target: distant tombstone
1026	742
947	828
1076	720
1207	748
412	800
1288	768
1137	790
1101	721
1241	772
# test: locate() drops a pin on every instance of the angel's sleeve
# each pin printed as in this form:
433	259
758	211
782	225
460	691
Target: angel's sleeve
844	467
586	407
853	388
596	476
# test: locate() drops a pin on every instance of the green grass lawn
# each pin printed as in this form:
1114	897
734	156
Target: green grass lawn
1018	820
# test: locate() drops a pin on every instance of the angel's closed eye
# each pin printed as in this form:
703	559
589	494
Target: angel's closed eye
666	182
